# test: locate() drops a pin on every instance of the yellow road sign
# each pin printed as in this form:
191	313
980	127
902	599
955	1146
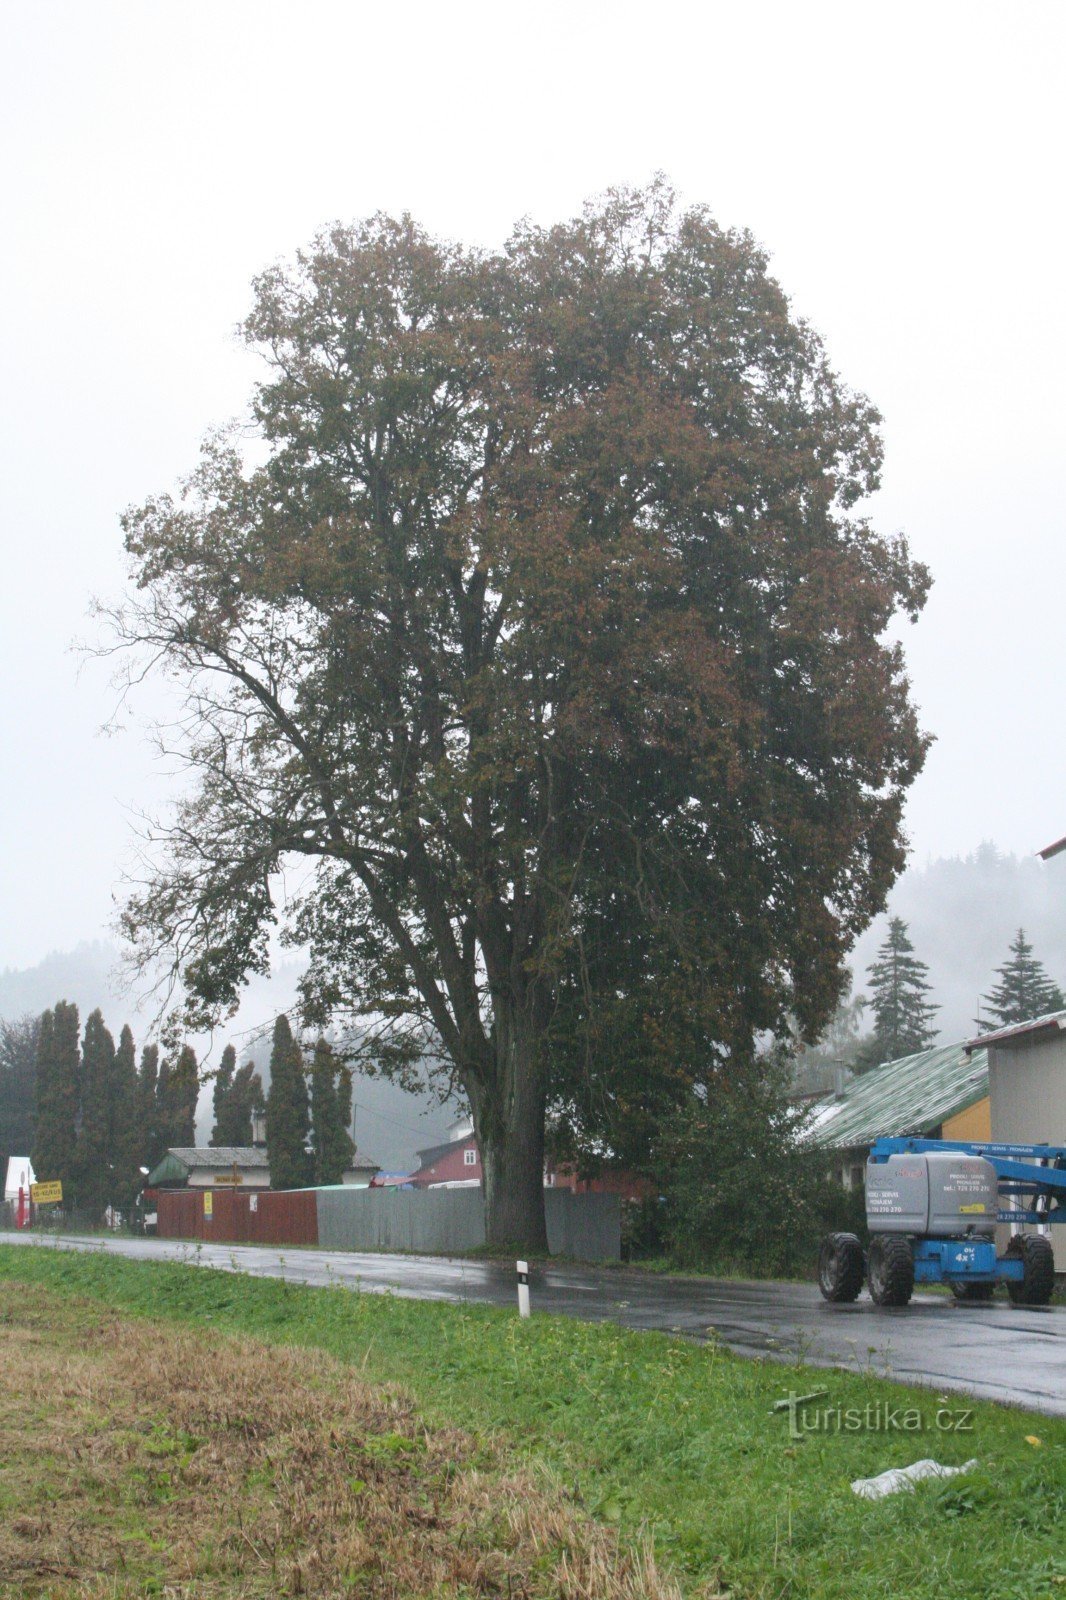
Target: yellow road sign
46	1194
208	1208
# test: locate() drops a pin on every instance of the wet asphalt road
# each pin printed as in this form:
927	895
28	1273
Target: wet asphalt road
994	1352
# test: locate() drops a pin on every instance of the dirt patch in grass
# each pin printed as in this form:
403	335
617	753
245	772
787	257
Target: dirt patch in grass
143	1459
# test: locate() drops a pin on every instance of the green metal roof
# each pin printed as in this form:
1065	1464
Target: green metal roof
911	1096
170	1170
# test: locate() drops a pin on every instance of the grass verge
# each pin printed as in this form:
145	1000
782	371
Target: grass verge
659	1438
137	1459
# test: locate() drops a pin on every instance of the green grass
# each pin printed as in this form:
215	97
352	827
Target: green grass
656	1432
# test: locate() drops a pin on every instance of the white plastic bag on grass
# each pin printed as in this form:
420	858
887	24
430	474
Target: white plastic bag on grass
897	1478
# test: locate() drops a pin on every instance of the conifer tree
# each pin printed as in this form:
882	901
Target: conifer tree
344	1098
58	1070
246	1099
127	1133
330	1143
252	1096
221	1133
18	1087
179	1087
153	1146
898	987
238	1094
287	1117
1024	990
163	1106
94	1154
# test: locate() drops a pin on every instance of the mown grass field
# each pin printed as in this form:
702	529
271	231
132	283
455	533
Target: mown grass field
622	1433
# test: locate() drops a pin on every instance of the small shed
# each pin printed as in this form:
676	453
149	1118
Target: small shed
234	1167
198	1167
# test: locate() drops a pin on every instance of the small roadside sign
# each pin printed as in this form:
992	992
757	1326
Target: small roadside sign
47	1194
208	1204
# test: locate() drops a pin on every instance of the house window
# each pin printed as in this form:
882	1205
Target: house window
469	1156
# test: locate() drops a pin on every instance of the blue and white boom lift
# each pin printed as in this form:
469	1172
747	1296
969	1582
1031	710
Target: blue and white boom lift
932	1206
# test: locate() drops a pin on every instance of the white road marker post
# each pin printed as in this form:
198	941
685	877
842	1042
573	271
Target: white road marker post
523	1288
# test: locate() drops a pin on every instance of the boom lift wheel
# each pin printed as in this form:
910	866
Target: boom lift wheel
1038	1259
890	1269
840	1267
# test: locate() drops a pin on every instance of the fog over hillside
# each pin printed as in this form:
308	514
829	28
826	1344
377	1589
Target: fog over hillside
962	913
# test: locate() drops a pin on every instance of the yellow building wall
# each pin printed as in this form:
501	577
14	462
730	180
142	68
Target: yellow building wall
975	1123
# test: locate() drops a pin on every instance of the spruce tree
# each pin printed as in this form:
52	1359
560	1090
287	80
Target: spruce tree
58	1070
330	1143
287	1118
898	987
221	1133
1024	990
94	1146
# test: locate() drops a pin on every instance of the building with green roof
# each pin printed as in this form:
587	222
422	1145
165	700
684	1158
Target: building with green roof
937	1094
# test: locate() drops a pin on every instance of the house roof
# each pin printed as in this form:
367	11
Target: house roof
1053	1022
223	1155
181	1160
362	1163
900	1098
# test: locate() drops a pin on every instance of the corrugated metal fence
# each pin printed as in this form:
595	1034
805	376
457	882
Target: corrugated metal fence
423	1222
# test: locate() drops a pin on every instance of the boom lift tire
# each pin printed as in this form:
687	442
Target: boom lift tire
1038	1284
840	1267
890	1269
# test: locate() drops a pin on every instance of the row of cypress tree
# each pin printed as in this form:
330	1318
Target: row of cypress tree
100	1116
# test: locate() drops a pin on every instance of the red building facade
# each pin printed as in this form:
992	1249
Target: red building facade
457	1163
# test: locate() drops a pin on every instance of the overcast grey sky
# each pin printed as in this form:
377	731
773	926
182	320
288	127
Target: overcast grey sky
901	162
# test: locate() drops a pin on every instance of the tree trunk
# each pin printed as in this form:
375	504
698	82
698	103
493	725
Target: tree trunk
509	1123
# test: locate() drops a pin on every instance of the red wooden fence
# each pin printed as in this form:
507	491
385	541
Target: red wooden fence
239	1217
